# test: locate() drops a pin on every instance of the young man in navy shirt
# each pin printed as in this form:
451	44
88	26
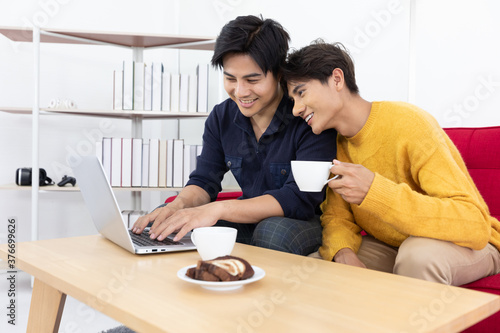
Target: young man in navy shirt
254	135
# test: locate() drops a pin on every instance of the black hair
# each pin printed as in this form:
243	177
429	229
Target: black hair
317	61
265	41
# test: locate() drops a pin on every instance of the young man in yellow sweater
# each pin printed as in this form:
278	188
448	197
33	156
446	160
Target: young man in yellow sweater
402	180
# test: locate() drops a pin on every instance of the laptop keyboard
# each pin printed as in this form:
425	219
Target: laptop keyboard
144	240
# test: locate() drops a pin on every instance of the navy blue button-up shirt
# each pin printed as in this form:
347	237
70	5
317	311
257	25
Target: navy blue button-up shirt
261	167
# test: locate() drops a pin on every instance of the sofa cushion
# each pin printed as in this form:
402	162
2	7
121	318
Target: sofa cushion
480	149
490	284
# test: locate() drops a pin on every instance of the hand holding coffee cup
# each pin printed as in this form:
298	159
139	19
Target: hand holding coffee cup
311	176
213	242
356	181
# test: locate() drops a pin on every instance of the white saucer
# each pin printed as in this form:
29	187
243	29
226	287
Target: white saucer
259	273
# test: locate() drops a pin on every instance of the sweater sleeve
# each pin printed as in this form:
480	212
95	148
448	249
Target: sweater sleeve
339	229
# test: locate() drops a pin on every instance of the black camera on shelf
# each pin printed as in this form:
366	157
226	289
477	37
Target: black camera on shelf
23	177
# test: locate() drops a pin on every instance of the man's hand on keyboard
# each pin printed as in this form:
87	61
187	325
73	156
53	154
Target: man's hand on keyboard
184	220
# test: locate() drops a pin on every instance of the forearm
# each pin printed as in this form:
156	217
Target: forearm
251	210
191	196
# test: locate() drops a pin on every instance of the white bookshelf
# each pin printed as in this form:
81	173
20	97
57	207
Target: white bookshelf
123	39
68	188
137	42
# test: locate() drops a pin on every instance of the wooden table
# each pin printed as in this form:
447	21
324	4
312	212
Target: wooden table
298	294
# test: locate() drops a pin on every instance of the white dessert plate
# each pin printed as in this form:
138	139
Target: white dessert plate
259	273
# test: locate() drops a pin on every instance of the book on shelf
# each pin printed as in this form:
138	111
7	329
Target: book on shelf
117	90
126	162
184	93
178	168
202	73
116	161
128	85
145	164
165	105
136	162
216	92
139	85
193	93
157	90
106	157
190	153
162	164
170	163
175	83
148	86
154	150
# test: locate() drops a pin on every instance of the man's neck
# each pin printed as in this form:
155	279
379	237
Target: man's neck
354	116
260	122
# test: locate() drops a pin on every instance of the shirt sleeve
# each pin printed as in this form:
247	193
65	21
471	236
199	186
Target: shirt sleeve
210	164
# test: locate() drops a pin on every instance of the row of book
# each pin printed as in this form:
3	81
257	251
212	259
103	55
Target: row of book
147	87
131	162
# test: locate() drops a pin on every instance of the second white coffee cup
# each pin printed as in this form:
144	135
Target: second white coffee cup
213	242
311	176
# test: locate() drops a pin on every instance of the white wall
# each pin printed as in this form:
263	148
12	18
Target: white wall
442	55
458	67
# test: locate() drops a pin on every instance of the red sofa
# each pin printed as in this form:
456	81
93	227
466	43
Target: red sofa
480	149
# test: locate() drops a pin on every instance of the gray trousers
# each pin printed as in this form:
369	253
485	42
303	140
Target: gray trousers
281	234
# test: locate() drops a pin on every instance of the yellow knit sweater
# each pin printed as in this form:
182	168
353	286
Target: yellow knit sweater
421	186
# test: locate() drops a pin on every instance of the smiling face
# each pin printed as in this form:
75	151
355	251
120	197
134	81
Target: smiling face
256	93
316	103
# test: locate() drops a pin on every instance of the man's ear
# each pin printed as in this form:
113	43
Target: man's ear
338	78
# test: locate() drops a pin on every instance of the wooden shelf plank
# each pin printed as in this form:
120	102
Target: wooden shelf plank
109	113
18	34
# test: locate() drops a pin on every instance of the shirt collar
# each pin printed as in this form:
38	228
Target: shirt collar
281	118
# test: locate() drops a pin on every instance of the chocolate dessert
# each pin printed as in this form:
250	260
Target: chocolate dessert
226	268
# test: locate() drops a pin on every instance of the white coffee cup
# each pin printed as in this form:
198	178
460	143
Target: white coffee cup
311	176
213	242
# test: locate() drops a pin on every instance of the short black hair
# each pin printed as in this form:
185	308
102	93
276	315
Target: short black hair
265	41
317	61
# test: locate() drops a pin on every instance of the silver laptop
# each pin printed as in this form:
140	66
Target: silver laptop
106	213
